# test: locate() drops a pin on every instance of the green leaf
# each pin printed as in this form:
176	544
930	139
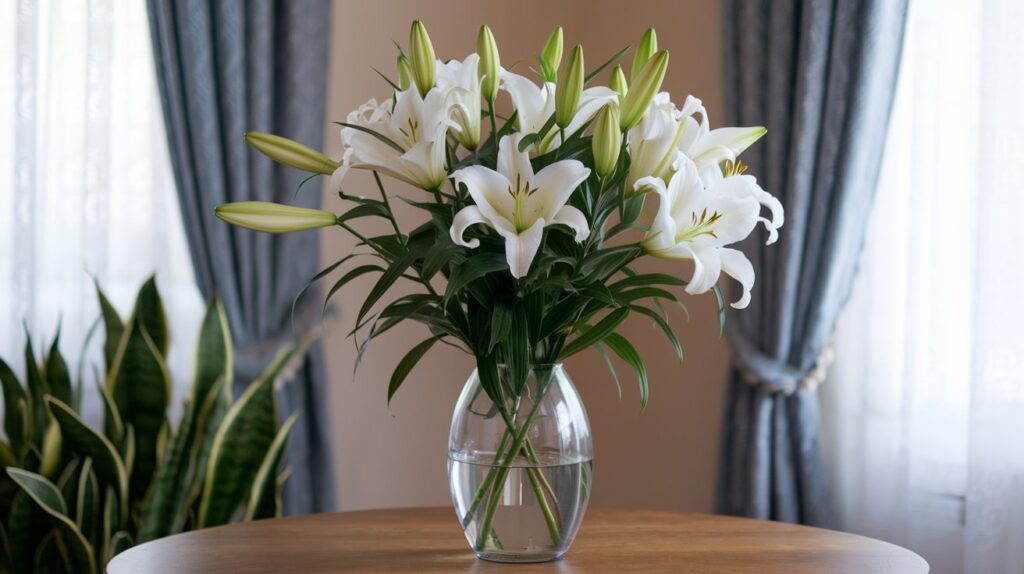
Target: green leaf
664	326
595	333
36	393
386	280
501	325
113	325
32	527
49	461
214	355
149	311
625	350
720	299
15	423
365	210
239	447
209	417
607	63
474	268
87	504
375	134
119	542
58	378
77	551
171	487
407	363
111	521
141	387
645	280
87	443
348	277
603	350
264	497
518	352
113	425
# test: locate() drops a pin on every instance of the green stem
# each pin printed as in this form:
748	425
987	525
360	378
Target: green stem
503	471
387	206
494	125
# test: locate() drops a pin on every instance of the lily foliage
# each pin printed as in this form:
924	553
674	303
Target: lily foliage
530	230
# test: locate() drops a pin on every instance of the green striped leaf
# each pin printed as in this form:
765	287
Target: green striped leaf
214	352
76	550
264	495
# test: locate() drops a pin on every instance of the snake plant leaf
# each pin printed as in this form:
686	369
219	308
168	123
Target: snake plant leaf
8	489
214	356
58	377
84	441
33	527
111	521
36	393
127	449
75	549
113	426
149	311
141	387
5	551
49	462
87	504
113	325
263	495
48	557
171	487
15	422
238	449
67	482
119	542
209	417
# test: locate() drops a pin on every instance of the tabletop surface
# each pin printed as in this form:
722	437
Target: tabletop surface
430	540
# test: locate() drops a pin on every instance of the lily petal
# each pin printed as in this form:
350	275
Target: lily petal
522	248
489	190
574	220
514	164
463	219
707	266
554	185
736	265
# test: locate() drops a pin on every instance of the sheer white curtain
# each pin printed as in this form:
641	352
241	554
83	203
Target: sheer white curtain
86	187
924	409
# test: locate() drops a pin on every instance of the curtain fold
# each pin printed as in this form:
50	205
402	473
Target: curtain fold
820	76
226	67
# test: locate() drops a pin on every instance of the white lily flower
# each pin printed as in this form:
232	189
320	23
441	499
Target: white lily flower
518	203
666	130
696	223
416	126
461	81
536	104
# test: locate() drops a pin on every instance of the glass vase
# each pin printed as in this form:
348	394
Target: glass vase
519	464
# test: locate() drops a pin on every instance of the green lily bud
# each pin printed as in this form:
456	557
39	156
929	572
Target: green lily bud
489	68
647	84
551	57
570	86
618	82
291	153
644	50
607	140
274	217
421	56
404	73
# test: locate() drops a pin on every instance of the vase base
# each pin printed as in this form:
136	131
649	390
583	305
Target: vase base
520	557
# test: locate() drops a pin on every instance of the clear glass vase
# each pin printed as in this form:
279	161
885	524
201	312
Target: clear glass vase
520	466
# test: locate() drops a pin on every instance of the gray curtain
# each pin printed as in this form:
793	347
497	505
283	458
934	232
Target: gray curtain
820	75
226	67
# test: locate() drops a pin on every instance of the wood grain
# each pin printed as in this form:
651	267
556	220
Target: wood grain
427	540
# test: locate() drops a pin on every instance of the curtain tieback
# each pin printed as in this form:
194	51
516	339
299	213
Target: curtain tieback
253	357
760	370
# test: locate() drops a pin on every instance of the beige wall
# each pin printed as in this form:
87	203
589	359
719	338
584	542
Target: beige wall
665	457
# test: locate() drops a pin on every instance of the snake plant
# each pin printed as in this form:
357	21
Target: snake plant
72	497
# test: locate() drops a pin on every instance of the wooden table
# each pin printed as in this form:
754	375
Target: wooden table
425	540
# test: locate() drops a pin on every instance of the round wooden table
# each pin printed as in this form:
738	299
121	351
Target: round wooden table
427	540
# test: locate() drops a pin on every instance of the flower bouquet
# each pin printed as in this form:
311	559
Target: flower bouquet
532	221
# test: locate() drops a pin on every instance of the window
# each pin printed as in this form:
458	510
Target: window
86	187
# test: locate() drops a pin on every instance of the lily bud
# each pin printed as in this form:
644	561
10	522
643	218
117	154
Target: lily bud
607	140
490	64
291	153
274	217
647	84
644	50
404	73
618	83
421	56
570	86
551	57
